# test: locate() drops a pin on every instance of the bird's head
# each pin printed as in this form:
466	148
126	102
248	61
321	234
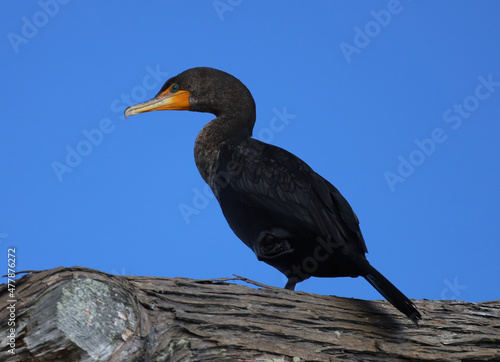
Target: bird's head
201	90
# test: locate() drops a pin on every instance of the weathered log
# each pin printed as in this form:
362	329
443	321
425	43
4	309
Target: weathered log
69	314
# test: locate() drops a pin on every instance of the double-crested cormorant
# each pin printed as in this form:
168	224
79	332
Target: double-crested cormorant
291	217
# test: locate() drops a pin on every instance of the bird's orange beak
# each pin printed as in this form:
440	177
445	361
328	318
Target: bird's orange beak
165	101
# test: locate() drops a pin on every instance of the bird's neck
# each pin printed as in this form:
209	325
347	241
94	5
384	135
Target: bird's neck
212	137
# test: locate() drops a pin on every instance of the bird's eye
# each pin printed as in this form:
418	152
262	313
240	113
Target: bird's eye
174	88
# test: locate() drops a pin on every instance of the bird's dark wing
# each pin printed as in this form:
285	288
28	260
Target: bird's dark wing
274	179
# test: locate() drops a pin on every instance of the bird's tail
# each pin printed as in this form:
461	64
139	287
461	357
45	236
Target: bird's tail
391	293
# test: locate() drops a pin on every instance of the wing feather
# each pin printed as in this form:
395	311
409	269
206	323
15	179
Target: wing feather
276	180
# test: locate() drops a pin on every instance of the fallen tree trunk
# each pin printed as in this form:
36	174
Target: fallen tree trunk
69	314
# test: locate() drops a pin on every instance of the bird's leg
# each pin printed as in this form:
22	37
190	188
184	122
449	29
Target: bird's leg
290	284
269	246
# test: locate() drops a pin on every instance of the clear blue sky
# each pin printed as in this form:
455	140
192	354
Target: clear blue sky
397	103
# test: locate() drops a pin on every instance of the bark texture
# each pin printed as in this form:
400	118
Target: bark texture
79	314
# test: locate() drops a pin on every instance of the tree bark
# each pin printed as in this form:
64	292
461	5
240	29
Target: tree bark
80	314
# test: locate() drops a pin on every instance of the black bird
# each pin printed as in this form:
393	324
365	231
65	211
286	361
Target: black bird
291	217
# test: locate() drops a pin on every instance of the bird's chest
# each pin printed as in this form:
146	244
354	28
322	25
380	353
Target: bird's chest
246	219
206	159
